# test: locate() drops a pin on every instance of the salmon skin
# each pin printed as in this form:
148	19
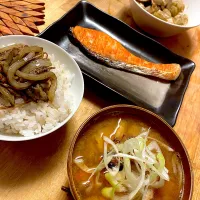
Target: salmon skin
106	49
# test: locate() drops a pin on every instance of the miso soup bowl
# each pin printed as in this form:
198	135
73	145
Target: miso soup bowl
163	127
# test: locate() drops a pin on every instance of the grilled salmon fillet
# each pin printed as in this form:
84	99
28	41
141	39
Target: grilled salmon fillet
106	49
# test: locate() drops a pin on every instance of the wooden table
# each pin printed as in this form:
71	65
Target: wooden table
36	170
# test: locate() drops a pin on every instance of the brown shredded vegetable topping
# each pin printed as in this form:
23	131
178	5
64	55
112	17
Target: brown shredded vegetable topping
25	73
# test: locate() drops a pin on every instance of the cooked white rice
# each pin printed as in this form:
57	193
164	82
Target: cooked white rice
33	118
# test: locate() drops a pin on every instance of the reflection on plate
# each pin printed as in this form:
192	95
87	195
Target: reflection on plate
163	98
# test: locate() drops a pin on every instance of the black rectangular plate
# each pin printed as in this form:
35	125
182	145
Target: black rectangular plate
163	98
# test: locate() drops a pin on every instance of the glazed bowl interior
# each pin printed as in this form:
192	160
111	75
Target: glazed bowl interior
77	86
156	122
192	10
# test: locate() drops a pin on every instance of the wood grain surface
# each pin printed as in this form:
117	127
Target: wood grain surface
36	170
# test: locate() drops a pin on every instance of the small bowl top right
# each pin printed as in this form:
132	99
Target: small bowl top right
160	28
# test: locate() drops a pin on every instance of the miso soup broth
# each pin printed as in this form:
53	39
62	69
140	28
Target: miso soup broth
89	149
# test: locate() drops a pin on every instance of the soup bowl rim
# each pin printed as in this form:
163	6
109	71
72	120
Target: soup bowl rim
72	186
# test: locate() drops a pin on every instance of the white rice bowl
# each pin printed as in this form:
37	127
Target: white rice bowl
33	120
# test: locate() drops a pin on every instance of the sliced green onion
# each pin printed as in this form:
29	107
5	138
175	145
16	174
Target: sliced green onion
108	192
161	143
140	184
131	183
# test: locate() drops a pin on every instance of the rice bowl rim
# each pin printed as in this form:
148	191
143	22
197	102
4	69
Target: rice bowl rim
78	75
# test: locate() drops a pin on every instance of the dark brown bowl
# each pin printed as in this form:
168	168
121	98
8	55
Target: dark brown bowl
167	132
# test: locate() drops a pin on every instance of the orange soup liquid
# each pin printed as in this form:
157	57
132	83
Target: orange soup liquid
90	148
